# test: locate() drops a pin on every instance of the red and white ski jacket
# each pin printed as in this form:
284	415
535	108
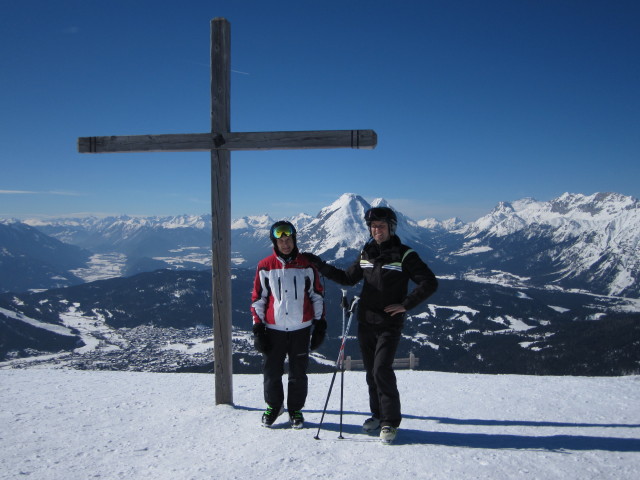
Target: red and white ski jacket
287	296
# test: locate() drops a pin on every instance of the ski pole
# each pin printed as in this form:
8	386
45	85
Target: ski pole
324	410
344	303
341	399
339	364
345	308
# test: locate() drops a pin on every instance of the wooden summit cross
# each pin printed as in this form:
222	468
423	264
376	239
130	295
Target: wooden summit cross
220	141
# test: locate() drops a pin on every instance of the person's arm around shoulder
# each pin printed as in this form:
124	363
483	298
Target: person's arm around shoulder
350	276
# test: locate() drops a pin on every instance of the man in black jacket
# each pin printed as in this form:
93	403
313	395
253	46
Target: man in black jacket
386	265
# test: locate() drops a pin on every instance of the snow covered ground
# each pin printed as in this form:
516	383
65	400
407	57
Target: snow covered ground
102	266
69	424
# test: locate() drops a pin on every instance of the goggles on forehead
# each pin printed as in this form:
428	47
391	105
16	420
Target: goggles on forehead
282	230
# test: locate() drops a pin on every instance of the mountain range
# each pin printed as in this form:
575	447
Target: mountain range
575	241
532	287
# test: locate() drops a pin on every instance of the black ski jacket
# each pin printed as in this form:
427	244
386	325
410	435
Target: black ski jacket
386	270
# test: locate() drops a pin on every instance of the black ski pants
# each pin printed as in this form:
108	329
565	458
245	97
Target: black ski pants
378	347
295	345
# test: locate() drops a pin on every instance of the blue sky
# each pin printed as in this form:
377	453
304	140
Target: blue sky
474	102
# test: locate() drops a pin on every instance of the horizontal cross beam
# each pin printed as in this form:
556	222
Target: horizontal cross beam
365	139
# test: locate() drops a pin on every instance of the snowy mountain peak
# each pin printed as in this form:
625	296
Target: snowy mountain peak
340	228
186	221
349	201
569	213
9	221
301	220
593	238
337	227
126	222
262	222
381	202
501	221
448	225
598	204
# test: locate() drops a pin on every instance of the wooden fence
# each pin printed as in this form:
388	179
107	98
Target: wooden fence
411	363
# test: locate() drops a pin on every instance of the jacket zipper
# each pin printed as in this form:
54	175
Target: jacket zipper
279	289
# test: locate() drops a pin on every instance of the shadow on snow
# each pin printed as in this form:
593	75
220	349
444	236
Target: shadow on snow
408	436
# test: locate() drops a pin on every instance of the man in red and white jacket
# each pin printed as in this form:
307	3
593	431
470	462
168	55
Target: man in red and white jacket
287	300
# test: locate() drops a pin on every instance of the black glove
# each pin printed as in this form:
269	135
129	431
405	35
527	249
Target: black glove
319	332
260	339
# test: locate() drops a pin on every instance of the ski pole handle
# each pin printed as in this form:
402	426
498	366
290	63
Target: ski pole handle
354	303
345	302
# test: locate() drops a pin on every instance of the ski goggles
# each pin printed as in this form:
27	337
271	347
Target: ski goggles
282	230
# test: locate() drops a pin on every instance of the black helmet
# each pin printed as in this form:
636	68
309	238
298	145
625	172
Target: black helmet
282	228
382	214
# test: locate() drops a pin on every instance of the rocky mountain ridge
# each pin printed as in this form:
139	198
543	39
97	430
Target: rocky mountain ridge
586	242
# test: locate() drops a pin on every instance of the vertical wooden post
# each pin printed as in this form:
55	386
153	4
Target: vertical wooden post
221	141
221	210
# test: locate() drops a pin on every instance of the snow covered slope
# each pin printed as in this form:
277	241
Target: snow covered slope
75	425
